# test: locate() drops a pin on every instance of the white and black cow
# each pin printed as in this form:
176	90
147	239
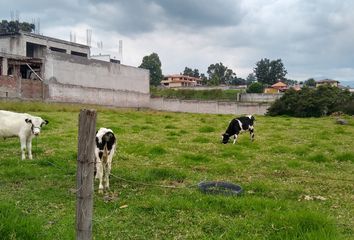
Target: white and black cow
105	148
238	125
21	125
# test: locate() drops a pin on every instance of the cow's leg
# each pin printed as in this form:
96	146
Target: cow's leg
99	175
251	133
108	170
23	147
29	147
235	138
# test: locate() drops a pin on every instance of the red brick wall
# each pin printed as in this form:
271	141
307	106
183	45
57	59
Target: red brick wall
8	86
30	89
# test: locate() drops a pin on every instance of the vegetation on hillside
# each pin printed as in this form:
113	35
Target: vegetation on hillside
313	102
297	178
192	94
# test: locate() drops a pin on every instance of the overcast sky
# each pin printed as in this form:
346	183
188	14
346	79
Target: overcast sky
314	39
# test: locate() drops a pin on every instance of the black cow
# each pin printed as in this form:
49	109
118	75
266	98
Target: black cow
104	151
238	125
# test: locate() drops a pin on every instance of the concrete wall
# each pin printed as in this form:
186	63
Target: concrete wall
259	97
16	44
12	45
53	42
80	71
214	107
78	94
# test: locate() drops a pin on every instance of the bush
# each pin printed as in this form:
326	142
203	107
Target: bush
255	87
310	102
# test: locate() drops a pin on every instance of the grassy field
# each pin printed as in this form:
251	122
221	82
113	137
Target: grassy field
298	178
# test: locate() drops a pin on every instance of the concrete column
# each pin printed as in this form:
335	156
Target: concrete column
4	66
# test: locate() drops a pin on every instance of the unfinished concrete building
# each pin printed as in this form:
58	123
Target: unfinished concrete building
39	67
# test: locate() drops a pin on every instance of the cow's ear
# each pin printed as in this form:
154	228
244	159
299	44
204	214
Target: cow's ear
27	120
44	122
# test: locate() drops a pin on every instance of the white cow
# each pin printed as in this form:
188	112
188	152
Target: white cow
104	151
21	125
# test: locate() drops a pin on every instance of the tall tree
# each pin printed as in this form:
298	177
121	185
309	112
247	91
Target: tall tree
190	72
220	74
269	72
153	64
196	73
187	72
204	79
250	79
310	82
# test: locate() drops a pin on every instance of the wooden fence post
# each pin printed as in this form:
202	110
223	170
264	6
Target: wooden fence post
84	177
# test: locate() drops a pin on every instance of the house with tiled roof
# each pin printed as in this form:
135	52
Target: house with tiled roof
177	80
333	83
276	88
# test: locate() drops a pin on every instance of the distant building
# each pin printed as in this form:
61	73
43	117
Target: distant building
296	87
333	83
276	88
175	81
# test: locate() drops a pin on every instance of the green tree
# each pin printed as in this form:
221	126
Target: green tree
15	26
255	87
250	79
220	74
153	64
310	82
290	82
196	73
269	72
204	79
190	72
238	81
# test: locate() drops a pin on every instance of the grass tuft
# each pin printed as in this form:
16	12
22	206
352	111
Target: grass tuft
15	224
206	129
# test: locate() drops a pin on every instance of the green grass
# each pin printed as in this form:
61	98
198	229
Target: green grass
290	161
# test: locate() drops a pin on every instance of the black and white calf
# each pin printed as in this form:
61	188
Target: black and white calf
21	125
104	151
238	125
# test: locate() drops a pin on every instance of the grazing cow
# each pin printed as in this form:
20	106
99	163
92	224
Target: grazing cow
21	125
104	151
238	125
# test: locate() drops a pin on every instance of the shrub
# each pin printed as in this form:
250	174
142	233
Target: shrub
255	87
310	102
